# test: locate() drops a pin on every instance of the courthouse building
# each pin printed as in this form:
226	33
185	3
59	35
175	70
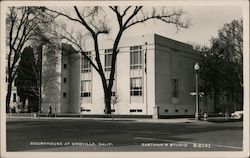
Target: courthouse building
154	76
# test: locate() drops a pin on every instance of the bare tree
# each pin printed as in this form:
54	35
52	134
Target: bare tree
93	19
24	24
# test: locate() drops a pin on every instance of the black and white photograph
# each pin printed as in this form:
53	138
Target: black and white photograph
124	79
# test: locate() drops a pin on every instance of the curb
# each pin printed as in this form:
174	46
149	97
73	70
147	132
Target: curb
140	120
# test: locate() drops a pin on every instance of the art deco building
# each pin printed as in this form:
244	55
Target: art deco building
154	76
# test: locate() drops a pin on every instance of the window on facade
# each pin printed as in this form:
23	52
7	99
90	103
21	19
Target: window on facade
136	86
64	80
85	88
14	97
65	66
175	88
135	57
64	94
86	110
135	110
86	66
108	59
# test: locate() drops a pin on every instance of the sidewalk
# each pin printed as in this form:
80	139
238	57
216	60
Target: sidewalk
142	120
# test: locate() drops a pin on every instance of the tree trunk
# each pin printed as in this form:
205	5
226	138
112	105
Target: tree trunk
22	100
8	96
107	99
216	100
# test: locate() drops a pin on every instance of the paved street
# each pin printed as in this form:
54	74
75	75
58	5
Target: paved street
121	135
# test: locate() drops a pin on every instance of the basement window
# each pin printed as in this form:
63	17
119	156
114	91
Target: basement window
166	110
186	110
176	110
86	110
135	110
86	94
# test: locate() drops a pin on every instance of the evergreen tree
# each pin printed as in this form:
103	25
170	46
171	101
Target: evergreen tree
27	79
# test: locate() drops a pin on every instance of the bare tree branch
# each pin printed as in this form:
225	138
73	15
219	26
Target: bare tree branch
136	10
69	37
118	15
125	11
173	18
67	16
84	22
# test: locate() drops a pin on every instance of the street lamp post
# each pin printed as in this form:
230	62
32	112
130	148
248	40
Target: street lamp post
197	68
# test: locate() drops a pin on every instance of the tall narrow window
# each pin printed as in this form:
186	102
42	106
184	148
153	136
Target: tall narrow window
108	63
85	88
136	72
86	66
108	59
64	94
14	97
65	66
135	57
86	77
175	88
64	80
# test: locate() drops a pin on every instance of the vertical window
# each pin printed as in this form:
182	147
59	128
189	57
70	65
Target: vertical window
135	57
64	94
86	66
136	72
86	77
108	63
64	80
65	66
14	97
175	88
108	59
136	86
85	88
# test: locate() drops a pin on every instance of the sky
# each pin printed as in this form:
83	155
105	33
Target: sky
205	21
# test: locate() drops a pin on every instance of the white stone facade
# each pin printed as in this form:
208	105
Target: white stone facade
154	76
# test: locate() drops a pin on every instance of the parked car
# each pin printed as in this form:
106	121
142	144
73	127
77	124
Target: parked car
237	115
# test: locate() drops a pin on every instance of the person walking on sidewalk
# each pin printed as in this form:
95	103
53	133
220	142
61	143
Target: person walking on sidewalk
50	111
